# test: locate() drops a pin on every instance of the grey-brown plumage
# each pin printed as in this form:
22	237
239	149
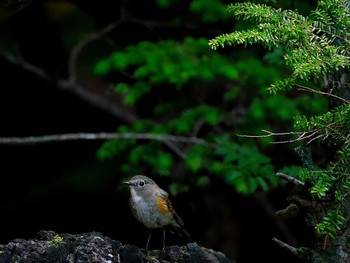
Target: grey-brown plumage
151	206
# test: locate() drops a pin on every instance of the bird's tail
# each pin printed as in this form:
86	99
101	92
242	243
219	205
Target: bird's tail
181	231
178	226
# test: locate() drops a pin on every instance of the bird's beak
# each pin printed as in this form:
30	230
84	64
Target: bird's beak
128	183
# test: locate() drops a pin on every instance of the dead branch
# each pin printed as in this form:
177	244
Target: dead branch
290	179
19	61
73	58
290	248
301	136
29	140
303	88
70	84
97	101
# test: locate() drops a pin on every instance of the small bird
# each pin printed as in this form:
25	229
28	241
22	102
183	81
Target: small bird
151	206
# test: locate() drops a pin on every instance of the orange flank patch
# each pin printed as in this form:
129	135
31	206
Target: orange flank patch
162	205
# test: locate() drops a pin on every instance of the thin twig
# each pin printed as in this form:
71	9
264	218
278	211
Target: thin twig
176	149
101	136
325	242
19	61
303	88
84	42
317	137
331	34
301	135
198	125
281	133
269	134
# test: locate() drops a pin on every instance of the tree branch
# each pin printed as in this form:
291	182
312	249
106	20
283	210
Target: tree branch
303	88
101	136
301	135
71	84
290	179
84	42
176	149
19	61
291	249
97	101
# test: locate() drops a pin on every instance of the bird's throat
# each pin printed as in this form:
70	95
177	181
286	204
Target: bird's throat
135	197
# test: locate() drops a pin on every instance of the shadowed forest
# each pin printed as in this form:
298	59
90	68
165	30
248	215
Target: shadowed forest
235	127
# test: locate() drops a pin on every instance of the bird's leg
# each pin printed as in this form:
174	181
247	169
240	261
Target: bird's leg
149	238
163	238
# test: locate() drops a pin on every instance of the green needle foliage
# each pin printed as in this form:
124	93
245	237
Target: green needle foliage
313	45
316	49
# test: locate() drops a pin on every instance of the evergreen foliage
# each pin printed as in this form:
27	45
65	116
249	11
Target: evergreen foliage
313	45
181	87
316	49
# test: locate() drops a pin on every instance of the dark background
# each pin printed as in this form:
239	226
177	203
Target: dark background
61	186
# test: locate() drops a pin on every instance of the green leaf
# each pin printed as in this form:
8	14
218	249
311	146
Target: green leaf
119	60
203	181
102	67
177	188
194	160
164	162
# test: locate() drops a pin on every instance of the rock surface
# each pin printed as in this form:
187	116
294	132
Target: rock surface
49	247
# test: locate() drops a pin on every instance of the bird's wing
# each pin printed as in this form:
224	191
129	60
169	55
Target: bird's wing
165	206
163	203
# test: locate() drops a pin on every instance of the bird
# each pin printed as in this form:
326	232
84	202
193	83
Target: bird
151	206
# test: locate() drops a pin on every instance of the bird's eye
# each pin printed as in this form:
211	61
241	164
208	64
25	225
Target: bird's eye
141	183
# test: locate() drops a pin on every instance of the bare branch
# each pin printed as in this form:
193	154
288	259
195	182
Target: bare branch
303	88
198	125
18	61
176	149
291	249
101	136
84	42
290	179
71	84
317	137
269	134
97	101
303	135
